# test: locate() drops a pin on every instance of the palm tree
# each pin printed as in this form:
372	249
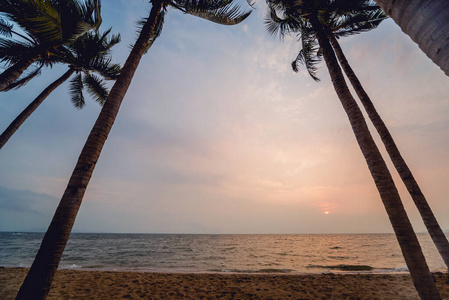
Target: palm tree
306	17
6	29
432	225
47	24
359	16
427	24
39	278
88	53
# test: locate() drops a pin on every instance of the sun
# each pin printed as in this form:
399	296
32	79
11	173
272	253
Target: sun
326	212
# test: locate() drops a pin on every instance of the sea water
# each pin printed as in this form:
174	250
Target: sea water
302	253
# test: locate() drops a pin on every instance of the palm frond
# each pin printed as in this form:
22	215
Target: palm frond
76	91
281	26
210	4
78	17
65	54
96	88
220	11
108	41
338	17
103	66
90	53
53	22
12	51
24	80
40	19
157	29
91	45
351	6
309	56
5	28
358	23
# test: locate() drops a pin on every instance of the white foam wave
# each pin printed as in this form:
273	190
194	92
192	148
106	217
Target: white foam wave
72	266
401	269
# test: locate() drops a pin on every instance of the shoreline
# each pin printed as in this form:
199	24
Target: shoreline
336	270
82	284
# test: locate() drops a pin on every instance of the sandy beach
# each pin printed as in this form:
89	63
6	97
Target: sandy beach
71	284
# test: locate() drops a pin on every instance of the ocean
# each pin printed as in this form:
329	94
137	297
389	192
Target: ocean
197	253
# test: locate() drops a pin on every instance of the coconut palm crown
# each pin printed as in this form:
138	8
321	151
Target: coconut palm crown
223	12
44	26
89	54
341	18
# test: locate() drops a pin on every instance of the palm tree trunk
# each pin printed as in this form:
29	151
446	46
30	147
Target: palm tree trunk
408	242
38	281
14	126
434	229
13	73
426	22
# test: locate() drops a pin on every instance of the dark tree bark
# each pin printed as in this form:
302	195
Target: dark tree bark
408	242
13	72
434	229
426	23
14	126
38	281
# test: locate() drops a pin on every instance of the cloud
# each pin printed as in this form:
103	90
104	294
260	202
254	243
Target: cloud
217	134
25	201
24	210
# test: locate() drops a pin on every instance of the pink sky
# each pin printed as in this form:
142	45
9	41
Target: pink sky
218	135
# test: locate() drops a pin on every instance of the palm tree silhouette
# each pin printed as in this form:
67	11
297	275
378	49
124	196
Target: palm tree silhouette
353	17
47	24
428	217
89	53
38	281
309	20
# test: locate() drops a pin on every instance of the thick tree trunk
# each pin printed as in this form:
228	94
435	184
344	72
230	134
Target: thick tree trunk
13	73
408	242
38	281
434	229
426	22
14	126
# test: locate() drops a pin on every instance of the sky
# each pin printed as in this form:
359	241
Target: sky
218	135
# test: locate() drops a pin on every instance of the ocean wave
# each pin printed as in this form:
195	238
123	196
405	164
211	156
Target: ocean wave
338	257
269	270
70	267
226	253
401	269
343	267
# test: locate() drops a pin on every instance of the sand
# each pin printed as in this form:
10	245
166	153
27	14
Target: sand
71	284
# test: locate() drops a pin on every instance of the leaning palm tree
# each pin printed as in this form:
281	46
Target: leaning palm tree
47	25
89	53
427	24
38	281
351	17
428	217
307	19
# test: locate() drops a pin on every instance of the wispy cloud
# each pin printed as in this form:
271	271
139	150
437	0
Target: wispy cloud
217	134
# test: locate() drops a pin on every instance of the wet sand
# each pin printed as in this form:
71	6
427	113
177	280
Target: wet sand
71	284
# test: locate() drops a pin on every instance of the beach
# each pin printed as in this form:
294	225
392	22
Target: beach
76	284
